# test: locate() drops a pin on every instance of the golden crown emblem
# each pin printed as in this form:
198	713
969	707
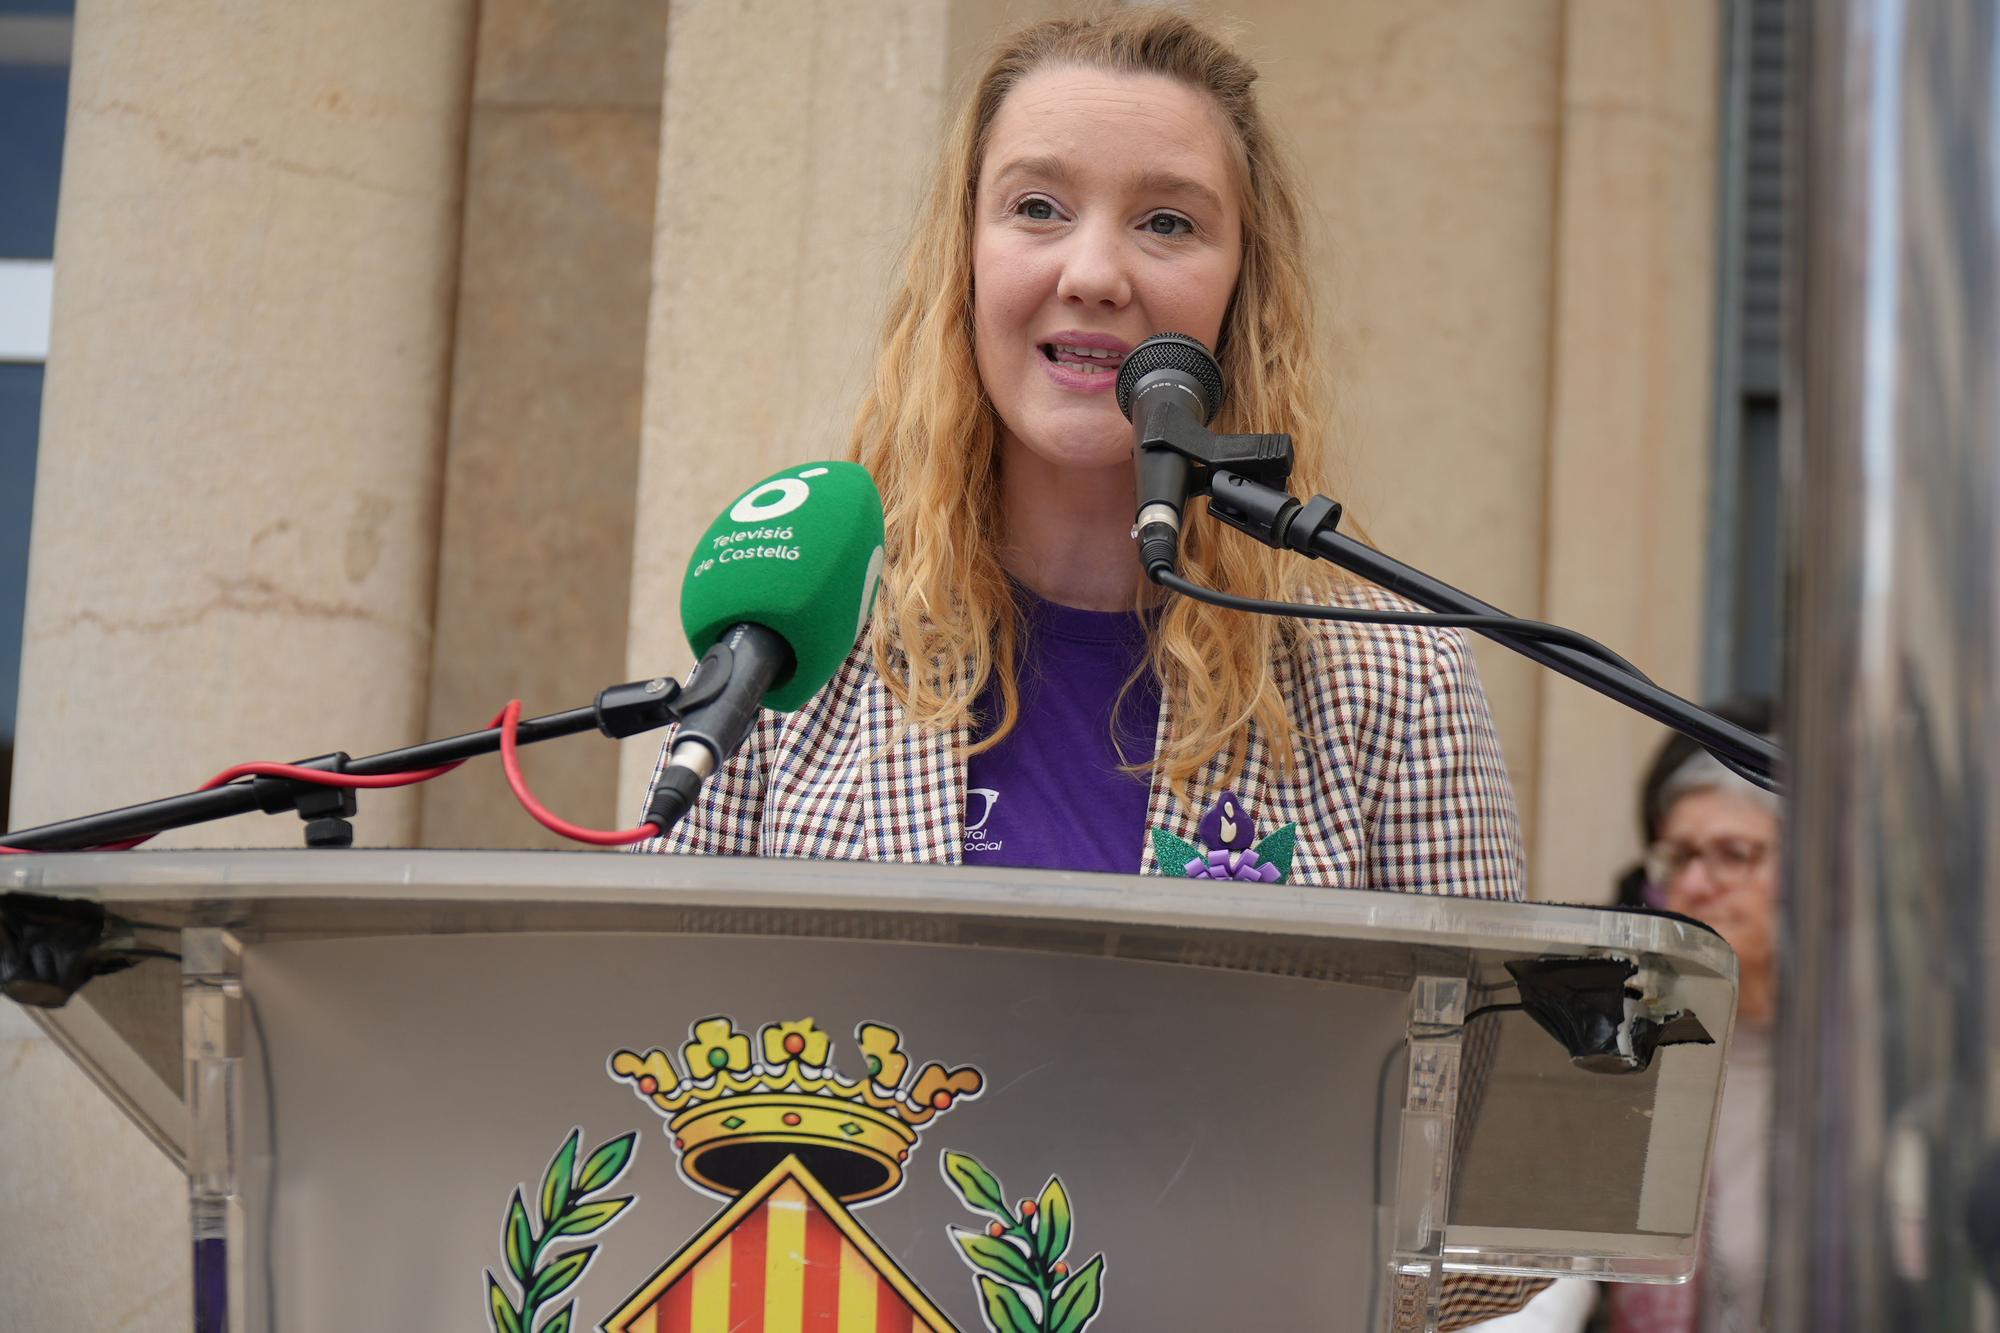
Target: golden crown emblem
735	1112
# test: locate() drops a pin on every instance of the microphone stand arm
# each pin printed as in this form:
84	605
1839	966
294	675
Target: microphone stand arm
618	712
1276	519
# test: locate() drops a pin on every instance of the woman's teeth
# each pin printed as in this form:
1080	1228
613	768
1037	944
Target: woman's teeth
1088	360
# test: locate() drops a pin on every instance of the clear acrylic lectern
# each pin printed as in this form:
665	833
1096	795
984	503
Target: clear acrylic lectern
548	1092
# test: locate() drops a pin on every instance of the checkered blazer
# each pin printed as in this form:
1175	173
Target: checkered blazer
1399	783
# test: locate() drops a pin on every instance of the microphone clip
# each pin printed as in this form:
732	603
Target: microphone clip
1179	456
646	705
1174	438
1270	514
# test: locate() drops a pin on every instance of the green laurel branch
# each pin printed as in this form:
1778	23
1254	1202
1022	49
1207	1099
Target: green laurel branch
567	1213
1025	1285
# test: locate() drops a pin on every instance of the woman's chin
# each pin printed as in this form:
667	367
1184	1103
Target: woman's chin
1067	455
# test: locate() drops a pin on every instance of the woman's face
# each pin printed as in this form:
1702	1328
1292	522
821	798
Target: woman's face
1724	853
1106	212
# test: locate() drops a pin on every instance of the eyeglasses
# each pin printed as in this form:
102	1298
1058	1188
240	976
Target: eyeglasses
1730	861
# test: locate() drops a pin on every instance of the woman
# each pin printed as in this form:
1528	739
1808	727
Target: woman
1023	698
1715	858
1752	713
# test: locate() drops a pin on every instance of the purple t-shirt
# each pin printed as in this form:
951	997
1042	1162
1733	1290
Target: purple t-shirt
1052	794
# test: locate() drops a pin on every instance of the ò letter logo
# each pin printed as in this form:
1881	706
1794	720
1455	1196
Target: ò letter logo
774	499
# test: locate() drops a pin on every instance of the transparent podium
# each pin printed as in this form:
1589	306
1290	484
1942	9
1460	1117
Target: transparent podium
550	1092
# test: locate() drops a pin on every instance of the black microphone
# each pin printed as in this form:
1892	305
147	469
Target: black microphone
720	704
1169	388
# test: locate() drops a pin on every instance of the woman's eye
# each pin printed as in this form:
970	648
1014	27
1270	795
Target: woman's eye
1168	224
1036	209
1735	855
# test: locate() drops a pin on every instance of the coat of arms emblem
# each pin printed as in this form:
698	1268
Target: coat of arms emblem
792	1146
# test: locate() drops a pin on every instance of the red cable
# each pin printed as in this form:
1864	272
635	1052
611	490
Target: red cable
507	719
510	760
324	778
319	776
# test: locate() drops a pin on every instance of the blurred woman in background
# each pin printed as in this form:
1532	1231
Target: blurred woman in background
1715	857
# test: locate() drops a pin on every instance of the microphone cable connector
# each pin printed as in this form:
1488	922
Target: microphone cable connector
1158	532
680	783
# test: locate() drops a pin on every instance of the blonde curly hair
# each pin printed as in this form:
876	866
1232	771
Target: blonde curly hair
946	621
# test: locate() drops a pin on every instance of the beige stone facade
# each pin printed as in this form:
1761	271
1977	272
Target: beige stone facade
548	372
399	352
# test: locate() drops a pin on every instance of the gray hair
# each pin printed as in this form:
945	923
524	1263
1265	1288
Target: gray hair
1704	772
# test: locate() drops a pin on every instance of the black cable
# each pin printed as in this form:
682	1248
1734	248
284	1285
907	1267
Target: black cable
1377	1261
1500	625
148	953
1446	1029
1509	631
1753	778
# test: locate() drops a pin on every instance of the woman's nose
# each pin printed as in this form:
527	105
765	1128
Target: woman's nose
1094	271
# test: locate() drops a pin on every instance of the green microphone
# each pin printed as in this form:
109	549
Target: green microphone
777	591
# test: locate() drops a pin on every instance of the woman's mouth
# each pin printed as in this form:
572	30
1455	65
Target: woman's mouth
1083	360
1086	370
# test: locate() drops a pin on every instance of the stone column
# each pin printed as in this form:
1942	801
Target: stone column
1630	411
236	511
535	561
793	143
236	514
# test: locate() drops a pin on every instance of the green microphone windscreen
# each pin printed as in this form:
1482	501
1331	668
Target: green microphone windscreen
799	553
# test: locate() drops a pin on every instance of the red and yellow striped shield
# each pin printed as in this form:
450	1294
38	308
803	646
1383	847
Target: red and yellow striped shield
786	1257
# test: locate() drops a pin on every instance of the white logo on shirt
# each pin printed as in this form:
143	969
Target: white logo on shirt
984	799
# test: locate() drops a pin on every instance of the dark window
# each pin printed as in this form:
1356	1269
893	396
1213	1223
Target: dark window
34	95
1745	611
